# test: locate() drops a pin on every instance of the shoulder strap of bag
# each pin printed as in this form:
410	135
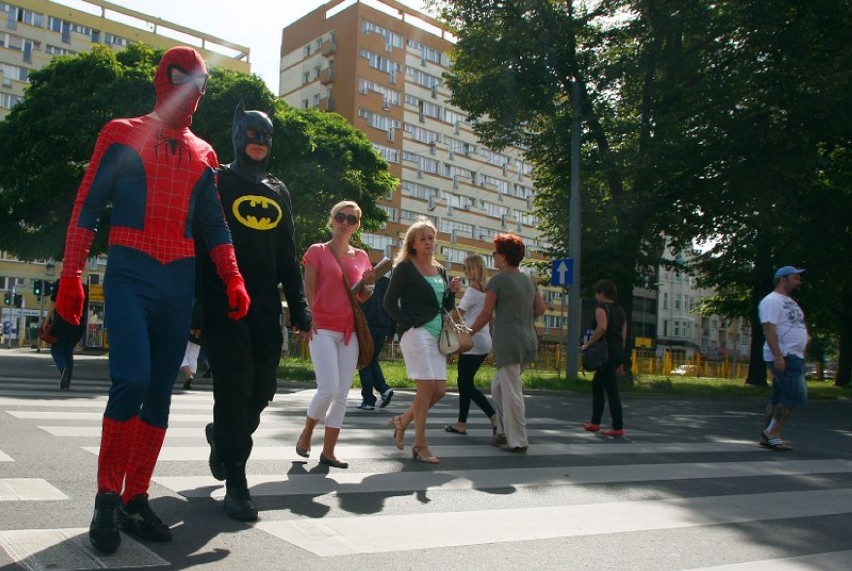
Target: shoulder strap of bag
349	293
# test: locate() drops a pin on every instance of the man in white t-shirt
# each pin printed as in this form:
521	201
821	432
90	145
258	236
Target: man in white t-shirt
784	352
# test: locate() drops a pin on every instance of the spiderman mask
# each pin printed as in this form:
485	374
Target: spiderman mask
180	81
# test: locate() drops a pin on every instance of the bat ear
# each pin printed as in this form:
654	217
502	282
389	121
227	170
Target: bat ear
240	111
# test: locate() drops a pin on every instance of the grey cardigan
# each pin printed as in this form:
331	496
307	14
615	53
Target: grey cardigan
410	300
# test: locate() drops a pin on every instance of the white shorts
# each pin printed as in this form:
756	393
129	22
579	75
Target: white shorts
423	360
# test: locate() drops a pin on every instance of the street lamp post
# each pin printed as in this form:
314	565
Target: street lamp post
574	306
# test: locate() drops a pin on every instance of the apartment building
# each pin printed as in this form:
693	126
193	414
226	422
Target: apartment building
682	330
379	64
32	32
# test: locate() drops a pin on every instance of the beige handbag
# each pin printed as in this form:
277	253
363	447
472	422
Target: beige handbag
455	337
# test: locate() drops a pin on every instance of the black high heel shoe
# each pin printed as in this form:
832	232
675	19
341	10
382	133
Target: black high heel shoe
303	452
331	462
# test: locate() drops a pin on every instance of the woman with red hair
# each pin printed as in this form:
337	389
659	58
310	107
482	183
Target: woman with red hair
517	302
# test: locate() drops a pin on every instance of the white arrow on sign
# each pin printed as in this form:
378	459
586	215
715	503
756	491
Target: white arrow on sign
562	269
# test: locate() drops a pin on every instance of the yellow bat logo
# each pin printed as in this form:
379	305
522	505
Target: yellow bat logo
257	212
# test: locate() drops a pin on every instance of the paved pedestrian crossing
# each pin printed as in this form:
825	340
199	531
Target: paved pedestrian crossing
569	485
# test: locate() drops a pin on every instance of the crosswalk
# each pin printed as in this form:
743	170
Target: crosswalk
569	485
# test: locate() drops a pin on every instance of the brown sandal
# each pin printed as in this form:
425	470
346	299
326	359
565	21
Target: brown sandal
417	454
398	432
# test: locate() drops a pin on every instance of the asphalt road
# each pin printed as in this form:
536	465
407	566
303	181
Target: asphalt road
687	488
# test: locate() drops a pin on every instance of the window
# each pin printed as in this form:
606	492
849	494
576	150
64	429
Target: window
307	50
495	210
452	170
453	117
665	300
389	154
8	100
391	96
14	72
306	77
447	225
420	134
391	38
378	121
677	301
381	63
57	51
390	211
377	241
422	78
411	216
454	254
417	190
115	41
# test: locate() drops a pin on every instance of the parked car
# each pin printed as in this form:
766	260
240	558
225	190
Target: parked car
685	370
829	372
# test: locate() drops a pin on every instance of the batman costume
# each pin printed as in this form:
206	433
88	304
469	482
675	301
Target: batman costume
244	355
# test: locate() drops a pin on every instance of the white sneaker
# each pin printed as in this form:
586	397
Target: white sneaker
386	398
365	406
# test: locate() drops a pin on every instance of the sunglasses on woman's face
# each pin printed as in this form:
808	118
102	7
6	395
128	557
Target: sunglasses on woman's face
350	219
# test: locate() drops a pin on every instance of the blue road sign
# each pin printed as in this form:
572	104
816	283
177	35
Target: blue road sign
562	272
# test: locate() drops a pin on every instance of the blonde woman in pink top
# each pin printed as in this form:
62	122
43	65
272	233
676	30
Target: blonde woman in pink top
333	343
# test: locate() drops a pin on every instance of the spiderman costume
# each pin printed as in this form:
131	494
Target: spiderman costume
159	177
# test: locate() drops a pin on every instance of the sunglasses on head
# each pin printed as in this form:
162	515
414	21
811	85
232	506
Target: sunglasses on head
350	219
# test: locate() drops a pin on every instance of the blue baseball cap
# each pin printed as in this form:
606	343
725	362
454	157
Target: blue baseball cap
787	270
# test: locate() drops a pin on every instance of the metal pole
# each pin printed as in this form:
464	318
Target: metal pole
574	306
40	317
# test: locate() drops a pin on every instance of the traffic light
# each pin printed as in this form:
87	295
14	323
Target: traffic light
37	286
19	300
48	288
7	298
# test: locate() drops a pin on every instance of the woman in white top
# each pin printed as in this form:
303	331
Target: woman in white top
471	304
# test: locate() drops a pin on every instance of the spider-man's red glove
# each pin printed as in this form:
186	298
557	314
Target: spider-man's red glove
226	266
70	298
238	298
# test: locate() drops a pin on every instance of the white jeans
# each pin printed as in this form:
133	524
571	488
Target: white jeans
334	366
508	397
190	357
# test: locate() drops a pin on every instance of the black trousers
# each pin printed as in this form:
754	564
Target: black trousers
605	387
244	356
468	366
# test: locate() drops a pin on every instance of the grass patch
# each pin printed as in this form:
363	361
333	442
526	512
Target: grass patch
298	369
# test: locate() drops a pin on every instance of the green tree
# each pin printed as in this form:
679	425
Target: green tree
47	140
512	71
712	121
774	134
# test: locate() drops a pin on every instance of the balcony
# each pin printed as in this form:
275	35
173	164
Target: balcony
327	76
328	47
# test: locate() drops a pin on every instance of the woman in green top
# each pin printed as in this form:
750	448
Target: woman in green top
517	302
417	292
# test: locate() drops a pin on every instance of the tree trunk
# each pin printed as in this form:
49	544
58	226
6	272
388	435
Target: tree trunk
756	365
844	362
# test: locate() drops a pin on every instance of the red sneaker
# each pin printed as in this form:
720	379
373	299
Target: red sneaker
619	432
591	427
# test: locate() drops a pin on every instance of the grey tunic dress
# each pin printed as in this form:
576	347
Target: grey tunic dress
514	336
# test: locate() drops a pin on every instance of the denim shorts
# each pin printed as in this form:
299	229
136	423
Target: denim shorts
789	388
